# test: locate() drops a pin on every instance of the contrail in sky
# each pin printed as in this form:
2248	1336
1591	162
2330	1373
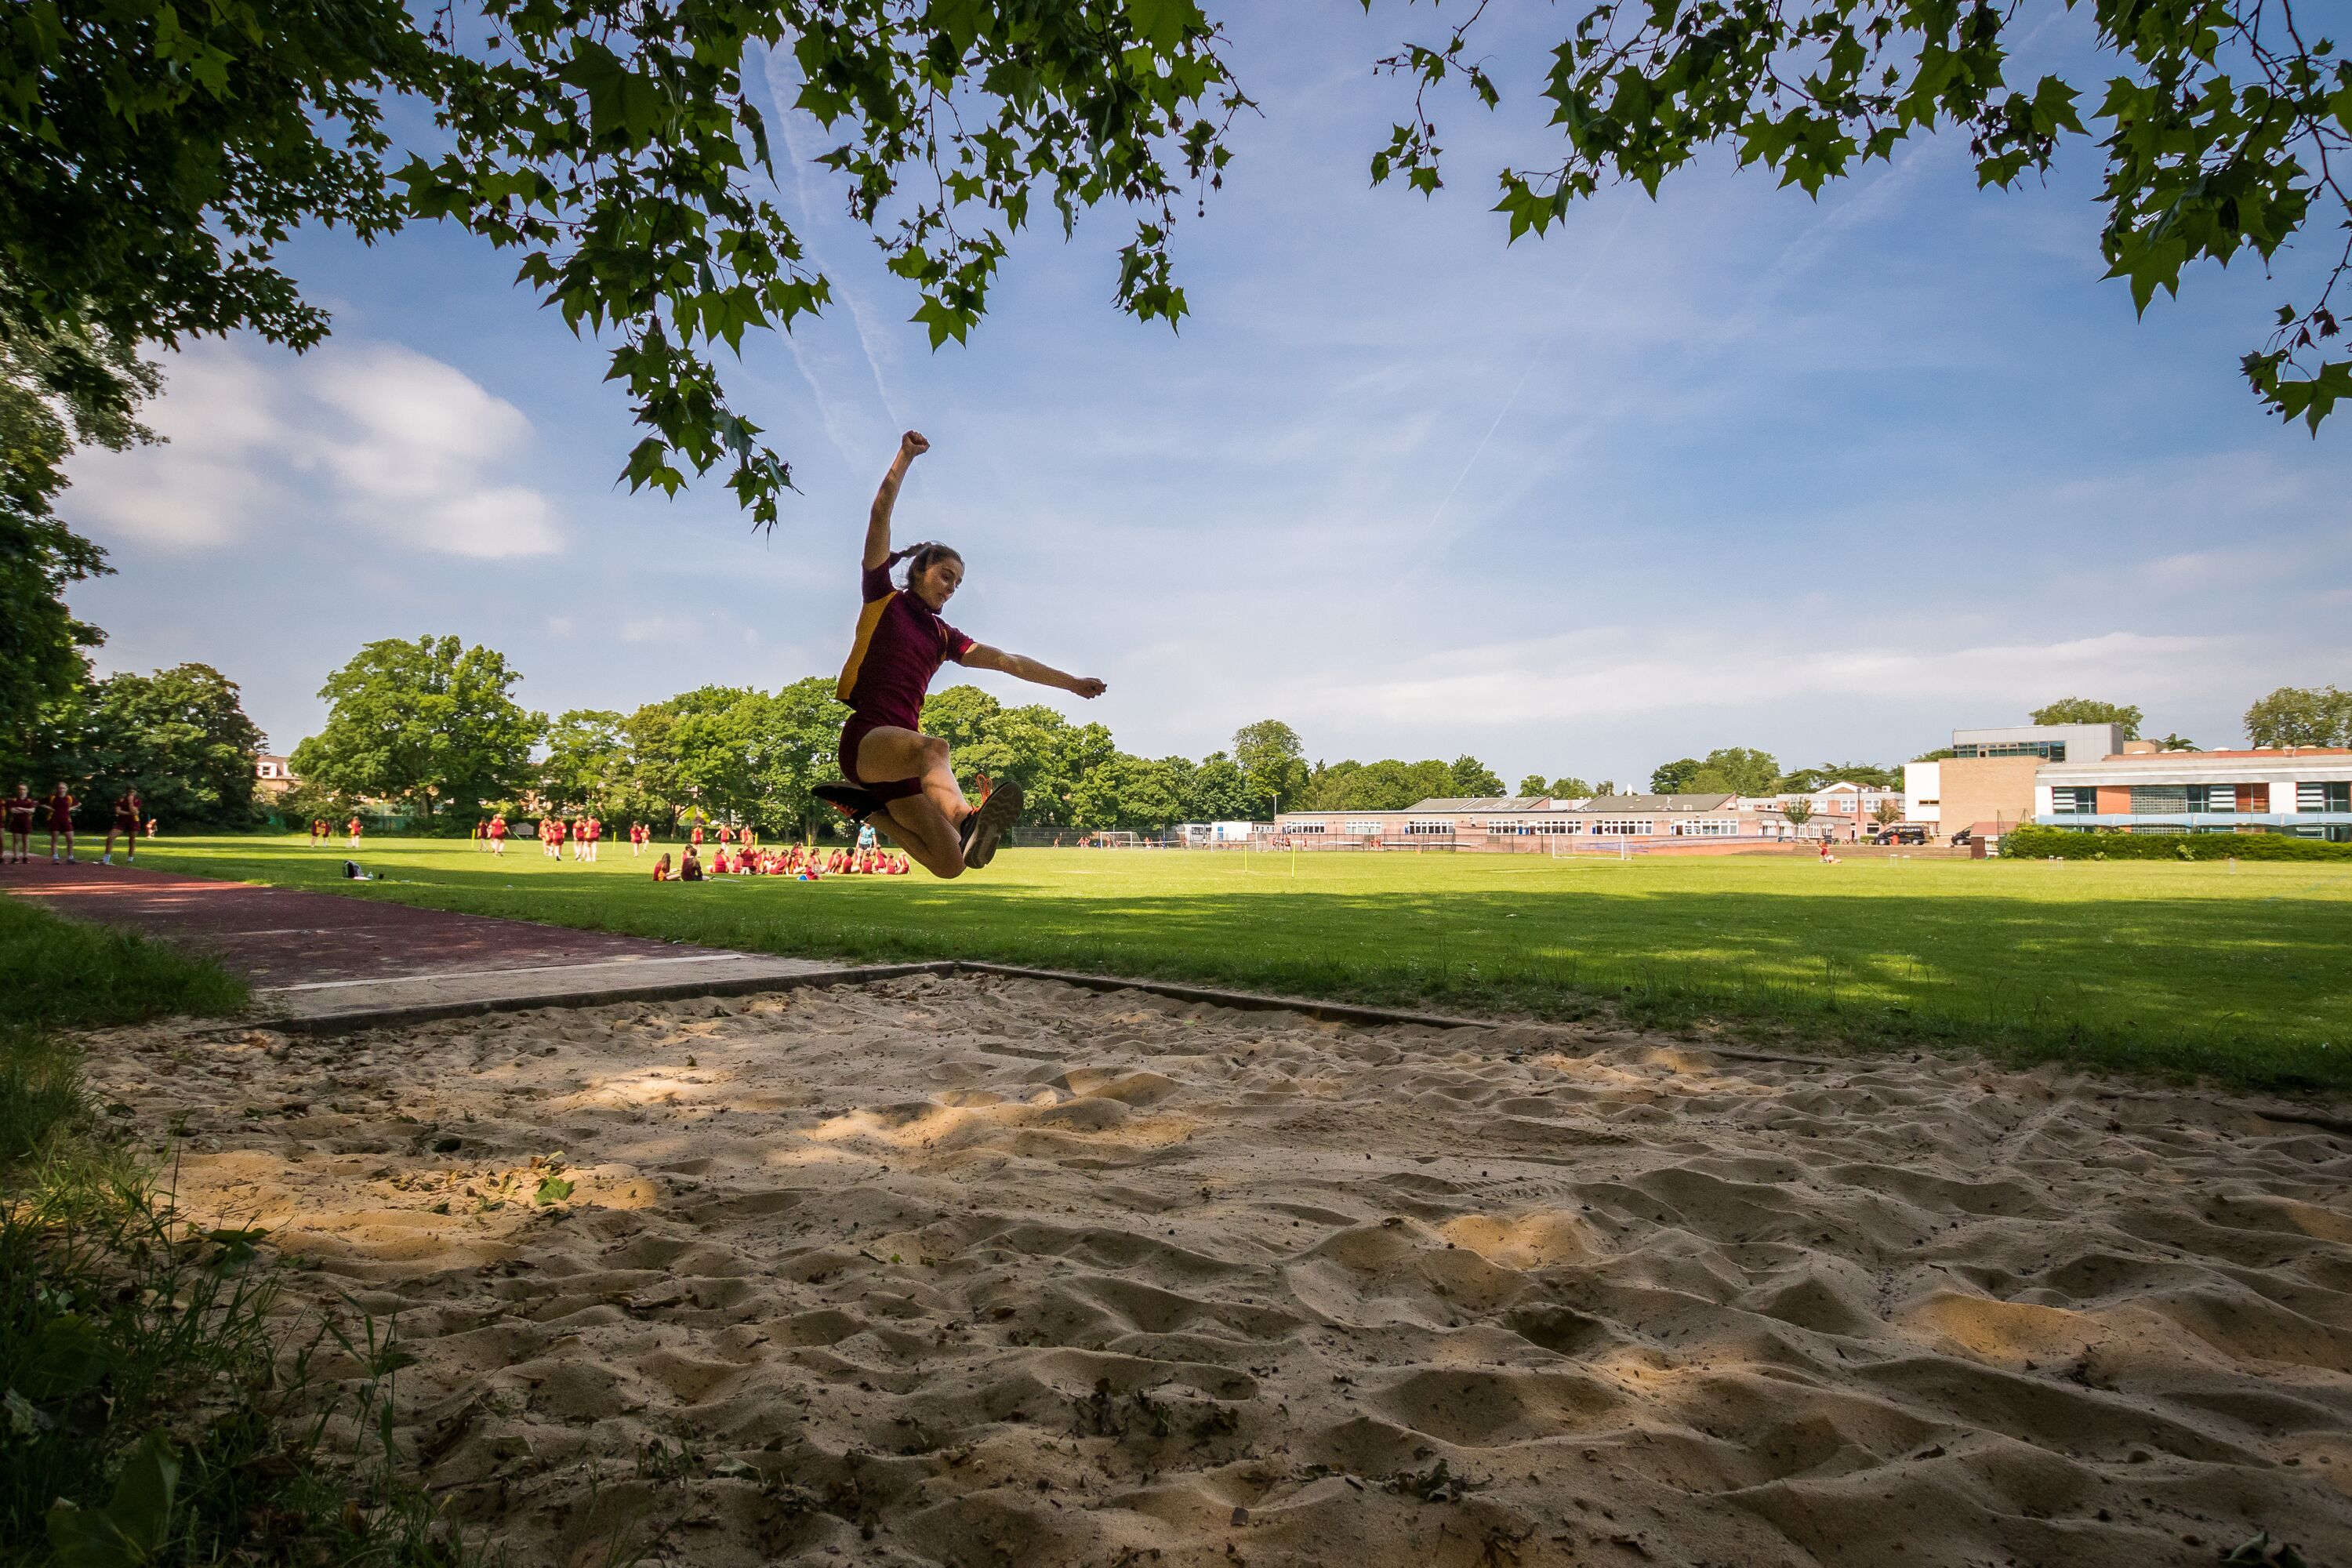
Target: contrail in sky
1534	360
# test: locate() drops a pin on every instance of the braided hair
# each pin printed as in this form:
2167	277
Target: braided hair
922	558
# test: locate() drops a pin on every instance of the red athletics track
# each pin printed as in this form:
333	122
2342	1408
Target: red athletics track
281	936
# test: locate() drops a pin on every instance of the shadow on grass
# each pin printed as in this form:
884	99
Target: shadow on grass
2255	992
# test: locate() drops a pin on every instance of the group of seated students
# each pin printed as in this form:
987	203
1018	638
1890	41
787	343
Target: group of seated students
800	861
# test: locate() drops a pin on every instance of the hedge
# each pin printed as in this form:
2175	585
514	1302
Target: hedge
2035	843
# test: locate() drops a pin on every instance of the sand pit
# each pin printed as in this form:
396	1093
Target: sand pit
987	1271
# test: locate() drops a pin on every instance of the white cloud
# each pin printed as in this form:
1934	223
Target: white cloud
1608	674
377	435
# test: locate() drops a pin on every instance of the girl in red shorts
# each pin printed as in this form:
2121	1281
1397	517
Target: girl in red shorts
903	780
18	810
61	810
126	823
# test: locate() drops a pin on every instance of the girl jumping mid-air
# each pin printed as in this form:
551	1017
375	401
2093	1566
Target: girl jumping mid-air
899	778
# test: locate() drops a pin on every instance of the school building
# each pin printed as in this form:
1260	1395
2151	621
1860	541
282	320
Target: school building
2088	776
1539	824
1842	811
1986	786
2303	790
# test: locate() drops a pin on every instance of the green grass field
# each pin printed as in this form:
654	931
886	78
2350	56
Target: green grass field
2244	972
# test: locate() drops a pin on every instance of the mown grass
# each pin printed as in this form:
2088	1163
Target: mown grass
2237	972
156	1405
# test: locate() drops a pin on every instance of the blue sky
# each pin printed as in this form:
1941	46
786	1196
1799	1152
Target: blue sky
1733	467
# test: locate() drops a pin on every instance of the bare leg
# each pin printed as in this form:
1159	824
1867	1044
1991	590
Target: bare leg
916	825
888	756
926	825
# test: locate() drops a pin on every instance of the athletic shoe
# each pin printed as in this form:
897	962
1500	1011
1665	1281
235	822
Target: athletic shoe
852	801
984	828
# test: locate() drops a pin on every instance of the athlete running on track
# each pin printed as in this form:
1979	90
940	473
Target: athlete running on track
903	779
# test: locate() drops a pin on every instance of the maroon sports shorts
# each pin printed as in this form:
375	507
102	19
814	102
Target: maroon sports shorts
855	730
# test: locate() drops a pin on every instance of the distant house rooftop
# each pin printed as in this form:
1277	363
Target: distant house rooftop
1617	805
1484	805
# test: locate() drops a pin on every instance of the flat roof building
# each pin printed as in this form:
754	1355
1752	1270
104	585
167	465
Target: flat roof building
1533	824
2303	790
2051	742
1989	777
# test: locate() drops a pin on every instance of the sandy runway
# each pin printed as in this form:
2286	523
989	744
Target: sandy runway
974	1272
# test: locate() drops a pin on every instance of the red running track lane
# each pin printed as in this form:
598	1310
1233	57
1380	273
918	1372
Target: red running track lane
281	936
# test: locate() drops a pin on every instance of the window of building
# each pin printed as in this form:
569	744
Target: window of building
1551	827
2049	750
1622	827
1364	830
1426	826
2075	800
1303	827
1707	827
2216	797
2324	797
2161	800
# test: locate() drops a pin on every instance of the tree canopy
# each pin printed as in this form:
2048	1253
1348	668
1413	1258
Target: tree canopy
62	384
2224	125
181	735
1273	764
1727	770
429	725
2090	710
1804	779
2301	716
156	154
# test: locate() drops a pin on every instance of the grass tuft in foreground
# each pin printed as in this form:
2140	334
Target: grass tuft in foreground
157	1405
62	973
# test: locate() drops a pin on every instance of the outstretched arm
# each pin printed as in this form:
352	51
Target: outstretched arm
982	656
911	446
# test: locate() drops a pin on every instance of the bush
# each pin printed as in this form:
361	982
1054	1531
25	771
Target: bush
2037	843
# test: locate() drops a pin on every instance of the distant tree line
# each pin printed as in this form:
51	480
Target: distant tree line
432	728
181	735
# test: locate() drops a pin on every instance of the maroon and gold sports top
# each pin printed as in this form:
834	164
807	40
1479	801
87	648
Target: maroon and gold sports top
901	643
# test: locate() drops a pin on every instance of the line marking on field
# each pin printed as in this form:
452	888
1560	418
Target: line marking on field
486	973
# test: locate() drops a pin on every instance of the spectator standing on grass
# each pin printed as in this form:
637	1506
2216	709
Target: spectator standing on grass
61	810
496	833
18	811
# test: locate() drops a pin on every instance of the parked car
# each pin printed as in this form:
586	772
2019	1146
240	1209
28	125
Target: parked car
1900	834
